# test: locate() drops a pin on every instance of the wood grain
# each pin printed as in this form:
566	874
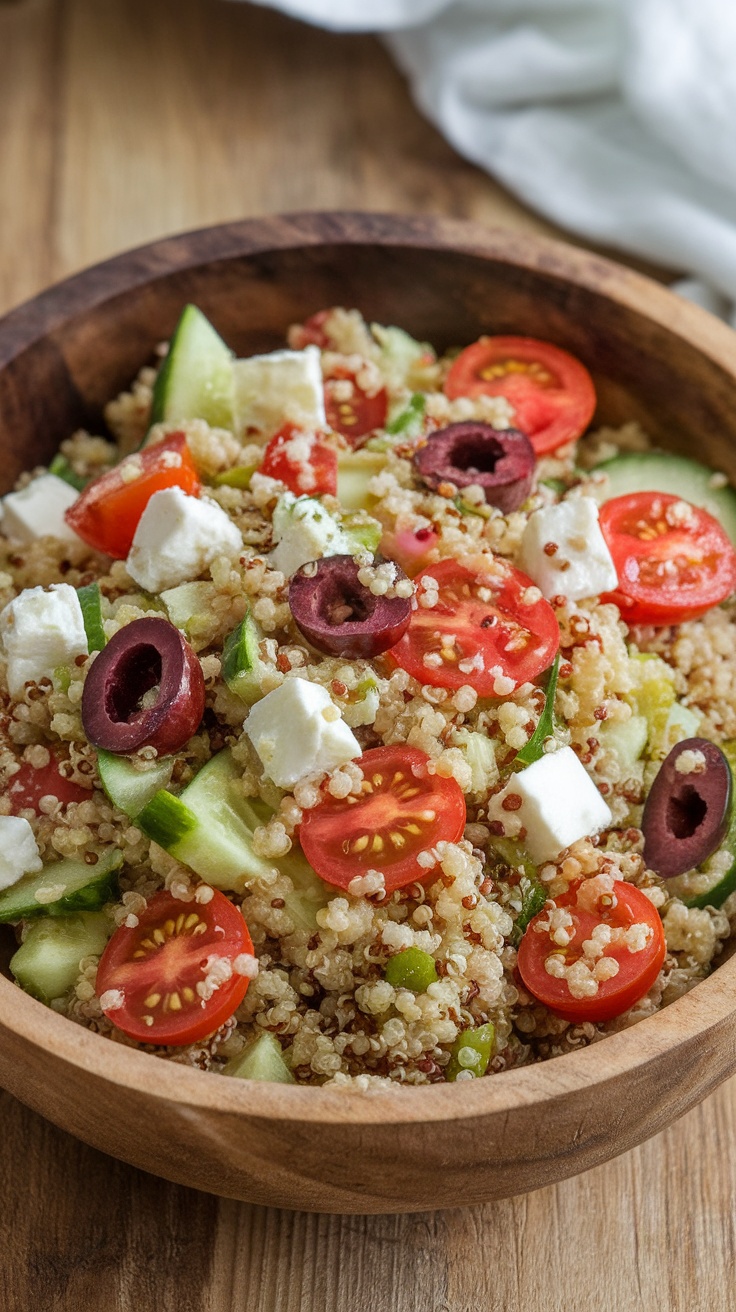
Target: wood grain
84	173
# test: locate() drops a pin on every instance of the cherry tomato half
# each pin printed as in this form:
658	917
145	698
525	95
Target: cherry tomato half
106	514
479	630
673	560
28	785
306	466
356	414
157	966
637	970
402	810
552	393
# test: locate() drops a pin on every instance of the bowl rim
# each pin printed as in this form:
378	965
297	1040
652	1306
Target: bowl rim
691	1017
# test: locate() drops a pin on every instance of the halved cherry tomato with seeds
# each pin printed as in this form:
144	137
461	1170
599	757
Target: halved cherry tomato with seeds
106	514
352	411
674	561
306	466
156	967
481	630
28	785
552	393
631	945
403	809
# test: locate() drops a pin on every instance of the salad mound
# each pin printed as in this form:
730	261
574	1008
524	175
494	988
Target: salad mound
366	716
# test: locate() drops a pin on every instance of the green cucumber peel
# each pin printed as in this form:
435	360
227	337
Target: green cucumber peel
128	788
242	665
195	380
62	468
409	421
238	476
166	819
534	750
64	886
91	603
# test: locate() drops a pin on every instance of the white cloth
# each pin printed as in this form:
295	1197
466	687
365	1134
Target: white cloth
615	118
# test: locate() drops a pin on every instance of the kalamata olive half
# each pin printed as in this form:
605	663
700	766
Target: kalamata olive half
145	689
342	617
500	460
687	812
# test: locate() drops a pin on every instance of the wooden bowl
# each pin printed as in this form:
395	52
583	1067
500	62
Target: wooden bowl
654	358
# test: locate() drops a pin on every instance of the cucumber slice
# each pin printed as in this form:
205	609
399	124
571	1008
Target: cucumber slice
128	788
262	1060
186	601
61	887
355	469
480	755
210	827
710	887
362	532
626	740
659	471
196	378
238	476
310	893
61	467
47	964
242	667
91	604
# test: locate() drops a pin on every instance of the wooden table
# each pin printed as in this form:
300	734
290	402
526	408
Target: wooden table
120	121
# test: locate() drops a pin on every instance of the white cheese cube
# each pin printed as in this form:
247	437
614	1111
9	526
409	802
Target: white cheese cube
297	730
177	539
37	511
283	387
19	854
581	564
41	630
559	804
303	530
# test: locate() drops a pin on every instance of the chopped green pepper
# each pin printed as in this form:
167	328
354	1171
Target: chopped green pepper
411	969
471	1052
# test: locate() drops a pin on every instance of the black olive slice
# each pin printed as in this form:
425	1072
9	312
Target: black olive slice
687	812
342	617
500	460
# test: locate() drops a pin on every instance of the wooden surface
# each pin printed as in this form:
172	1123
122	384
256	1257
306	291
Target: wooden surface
121	120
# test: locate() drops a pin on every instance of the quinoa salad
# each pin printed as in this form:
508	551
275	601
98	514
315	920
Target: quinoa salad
367	716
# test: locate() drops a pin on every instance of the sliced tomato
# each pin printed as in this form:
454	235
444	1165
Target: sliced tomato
673	560
410	548
481	629
637	970
402	810
552	393
106	514
26	788
157	965
355	414
306	466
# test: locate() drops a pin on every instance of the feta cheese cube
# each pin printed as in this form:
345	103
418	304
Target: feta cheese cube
283	387
37	511
581	564
177	539
559	804
303	530
41	630
297	730
19	854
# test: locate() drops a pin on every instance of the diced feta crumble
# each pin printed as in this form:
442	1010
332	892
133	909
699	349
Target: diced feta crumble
297	730
559	803
19	853
177	539
37	511
279	388
303	530
563	550
41	630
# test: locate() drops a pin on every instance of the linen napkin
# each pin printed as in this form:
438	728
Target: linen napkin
615	118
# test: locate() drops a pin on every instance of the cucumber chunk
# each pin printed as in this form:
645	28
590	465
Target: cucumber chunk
262	1060
47	964
128	788
91	604
62	887
310	894
242	667
196	378
209	827
355	469
659	471
185	602
62	468
716	879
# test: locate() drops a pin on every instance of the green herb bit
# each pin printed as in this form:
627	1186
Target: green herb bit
90	602
409	420
533	898
411	969
465	508
471	1052
534	750
62	468
557	485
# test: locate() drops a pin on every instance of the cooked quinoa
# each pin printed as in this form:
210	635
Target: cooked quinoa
323	991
